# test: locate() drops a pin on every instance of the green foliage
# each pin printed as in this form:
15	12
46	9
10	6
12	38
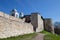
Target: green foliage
50	36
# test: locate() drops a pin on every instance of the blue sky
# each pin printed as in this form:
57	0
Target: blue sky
47	8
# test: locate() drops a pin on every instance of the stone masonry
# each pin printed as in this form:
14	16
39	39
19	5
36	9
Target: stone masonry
48	26
11	26
37	22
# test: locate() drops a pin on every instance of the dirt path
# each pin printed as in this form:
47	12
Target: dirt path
39	37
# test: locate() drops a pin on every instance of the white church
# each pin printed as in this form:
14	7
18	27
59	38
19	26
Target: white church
16	14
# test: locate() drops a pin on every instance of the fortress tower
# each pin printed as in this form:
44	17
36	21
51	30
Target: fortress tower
37	22
48	26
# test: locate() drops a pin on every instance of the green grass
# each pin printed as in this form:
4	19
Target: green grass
21	37
50	36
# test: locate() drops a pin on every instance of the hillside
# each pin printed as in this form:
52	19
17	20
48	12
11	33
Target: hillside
50	36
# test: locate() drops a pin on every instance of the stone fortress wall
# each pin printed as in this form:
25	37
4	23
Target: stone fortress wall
11	26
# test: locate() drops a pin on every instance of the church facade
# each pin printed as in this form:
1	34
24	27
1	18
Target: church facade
15	13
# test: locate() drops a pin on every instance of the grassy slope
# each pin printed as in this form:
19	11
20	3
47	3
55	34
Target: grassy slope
21	37
50	36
